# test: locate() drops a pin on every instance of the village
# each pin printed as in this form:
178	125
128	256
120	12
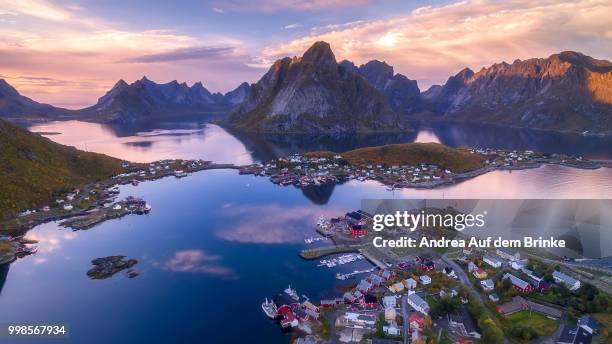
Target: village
311	169
454	295
85	206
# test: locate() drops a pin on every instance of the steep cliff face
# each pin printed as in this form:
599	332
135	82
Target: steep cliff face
567	91
402	93
314	94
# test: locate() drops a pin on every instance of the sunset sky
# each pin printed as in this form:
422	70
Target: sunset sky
68	53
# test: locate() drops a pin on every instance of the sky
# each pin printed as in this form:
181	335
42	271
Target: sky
69	53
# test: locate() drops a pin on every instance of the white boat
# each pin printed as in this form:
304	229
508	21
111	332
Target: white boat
292	293
269	308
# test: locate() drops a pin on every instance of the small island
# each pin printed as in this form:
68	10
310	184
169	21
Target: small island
106	267
408	165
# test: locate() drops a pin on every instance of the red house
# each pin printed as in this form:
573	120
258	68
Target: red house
427	266
518	284
358	230
370	302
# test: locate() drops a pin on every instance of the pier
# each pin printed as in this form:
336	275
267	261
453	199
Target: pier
370	257
348	275
319	252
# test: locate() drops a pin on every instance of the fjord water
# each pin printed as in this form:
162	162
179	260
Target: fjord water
217	243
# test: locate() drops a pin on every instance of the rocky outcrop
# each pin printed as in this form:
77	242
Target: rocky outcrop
314	94
106	267
567	92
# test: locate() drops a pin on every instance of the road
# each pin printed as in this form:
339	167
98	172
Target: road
404	305
463	277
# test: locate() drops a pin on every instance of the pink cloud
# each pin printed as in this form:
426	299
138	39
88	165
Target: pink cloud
291	5
431	43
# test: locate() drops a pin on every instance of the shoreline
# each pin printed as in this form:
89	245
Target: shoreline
97	210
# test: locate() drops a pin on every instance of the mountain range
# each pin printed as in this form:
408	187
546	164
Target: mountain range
128	103
314	93
568	91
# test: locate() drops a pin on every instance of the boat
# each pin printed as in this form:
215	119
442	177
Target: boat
269	308
292	293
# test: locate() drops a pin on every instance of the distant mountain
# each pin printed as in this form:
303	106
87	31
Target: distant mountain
14	106
402	93
34	168
314	94
566	92
145	100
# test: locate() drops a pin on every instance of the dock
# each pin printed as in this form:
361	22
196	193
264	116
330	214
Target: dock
319	252
370	257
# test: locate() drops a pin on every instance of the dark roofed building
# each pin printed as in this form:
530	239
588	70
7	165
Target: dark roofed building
575	335
461	322
516	304
589	323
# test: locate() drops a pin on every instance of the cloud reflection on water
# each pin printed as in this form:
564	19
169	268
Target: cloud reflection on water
270	223
196	261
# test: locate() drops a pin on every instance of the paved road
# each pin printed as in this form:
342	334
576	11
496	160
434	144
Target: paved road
463	277
404	302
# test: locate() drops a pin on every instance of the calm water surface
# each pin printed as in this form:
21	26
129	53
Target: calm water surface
217	243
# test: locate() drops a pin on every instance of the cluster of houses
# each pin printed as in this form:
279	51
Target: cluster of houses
354	224
506	257
288	307
365	286
302	171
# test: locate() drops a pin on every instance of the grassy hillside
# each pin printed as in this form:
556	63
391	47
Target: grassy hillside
456	160
33	169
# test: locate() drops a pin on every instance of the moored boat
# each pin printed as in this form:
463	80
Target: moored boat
269	308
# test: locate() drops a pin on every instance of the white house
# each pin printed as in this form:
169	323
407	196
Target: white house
487	284
518	264
392	330
508	254
425	280
570	282
416	302
389	302
410	283
492	261
471	266
68	207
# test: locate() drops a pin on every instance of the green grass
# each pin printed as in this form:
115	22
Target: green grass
35	169
456	160
538	323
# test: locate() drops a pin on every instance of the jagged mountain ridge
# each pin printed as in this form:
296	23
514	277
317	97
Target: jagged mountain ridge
402	93
568	91
145	99
314	94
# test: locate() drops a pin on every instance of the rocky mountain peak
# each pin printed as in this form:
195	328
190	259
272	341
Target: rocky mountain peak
319	53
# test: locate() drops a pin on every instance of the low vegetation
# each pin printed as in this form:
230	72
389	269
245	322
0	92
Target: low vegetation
34	169
456	160
525	326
